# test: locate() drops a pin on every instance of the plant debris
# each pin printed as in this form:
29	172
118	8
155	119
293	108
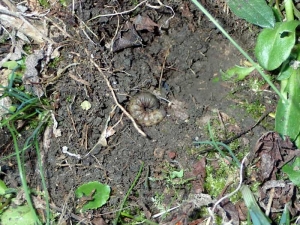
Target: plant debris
127	38
31	79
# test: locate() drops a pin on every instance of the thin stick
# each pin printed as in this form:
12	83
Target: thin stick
120	13
163	68
116	100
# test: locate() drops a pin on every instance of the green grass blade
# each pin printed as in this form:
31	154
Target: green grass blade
22	174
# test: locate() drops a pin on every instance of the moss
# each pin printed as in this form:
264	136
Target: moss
217	179
255	109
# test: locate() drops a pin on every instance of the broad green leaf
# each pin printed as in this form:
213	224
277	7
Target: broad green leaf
19	215
287	121
274	46
293	171
237	71
96	193
254	11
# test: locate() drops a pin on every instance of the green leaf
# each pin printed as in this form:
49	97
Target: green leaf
293	171
257	216
176	174
10	65
285	70
97	192
3	188
287	121
238	71
19	215
254	11
285	217
274	46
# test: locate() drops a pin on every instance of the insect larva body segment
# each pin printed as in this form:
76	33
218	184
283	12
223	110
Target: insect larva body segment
144	108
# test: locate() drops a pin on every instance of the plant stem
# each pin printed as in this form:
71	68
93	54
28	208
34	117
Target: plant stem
22	174
288	5
127	194
257	67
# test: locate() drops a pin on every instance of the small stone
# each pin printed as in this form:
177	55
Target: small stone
159	153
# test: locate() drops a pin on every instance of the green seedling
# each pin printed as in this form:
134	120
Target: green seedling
92	195
6	195
217	146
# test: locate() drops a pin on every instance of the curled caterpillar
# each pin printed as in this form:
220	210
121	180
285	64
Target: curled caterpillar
144	108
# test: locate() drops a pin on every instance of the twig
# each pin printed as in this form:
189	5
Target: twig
163	68
138	5
228	141
116	100
271	198
120	13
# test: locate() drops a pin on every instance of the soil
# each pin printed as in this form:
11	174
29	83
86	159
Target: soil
181	60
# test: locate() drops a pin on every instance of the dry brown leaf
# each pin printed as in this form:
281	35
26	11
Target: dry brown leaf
31	79
270	149
144	23
126	38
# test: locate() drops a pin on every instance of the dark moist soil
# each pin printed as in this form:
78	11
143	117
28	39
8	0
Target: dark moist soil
191	52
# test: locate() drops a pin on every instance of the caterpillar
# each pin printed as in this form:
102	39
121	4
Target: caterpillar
144	108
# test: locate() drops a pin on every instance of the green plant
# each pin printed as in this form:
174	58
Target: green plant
35	113
115	221
277	50
10	213
92	195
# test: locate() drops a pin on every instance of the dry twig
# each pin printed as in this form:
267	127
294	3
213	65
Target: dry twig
116	100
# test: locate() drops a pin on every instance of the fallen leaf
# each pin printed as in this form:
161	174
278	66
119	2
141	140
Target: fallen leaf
199	171
272	151
31	79
126	38
284	192
144	23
